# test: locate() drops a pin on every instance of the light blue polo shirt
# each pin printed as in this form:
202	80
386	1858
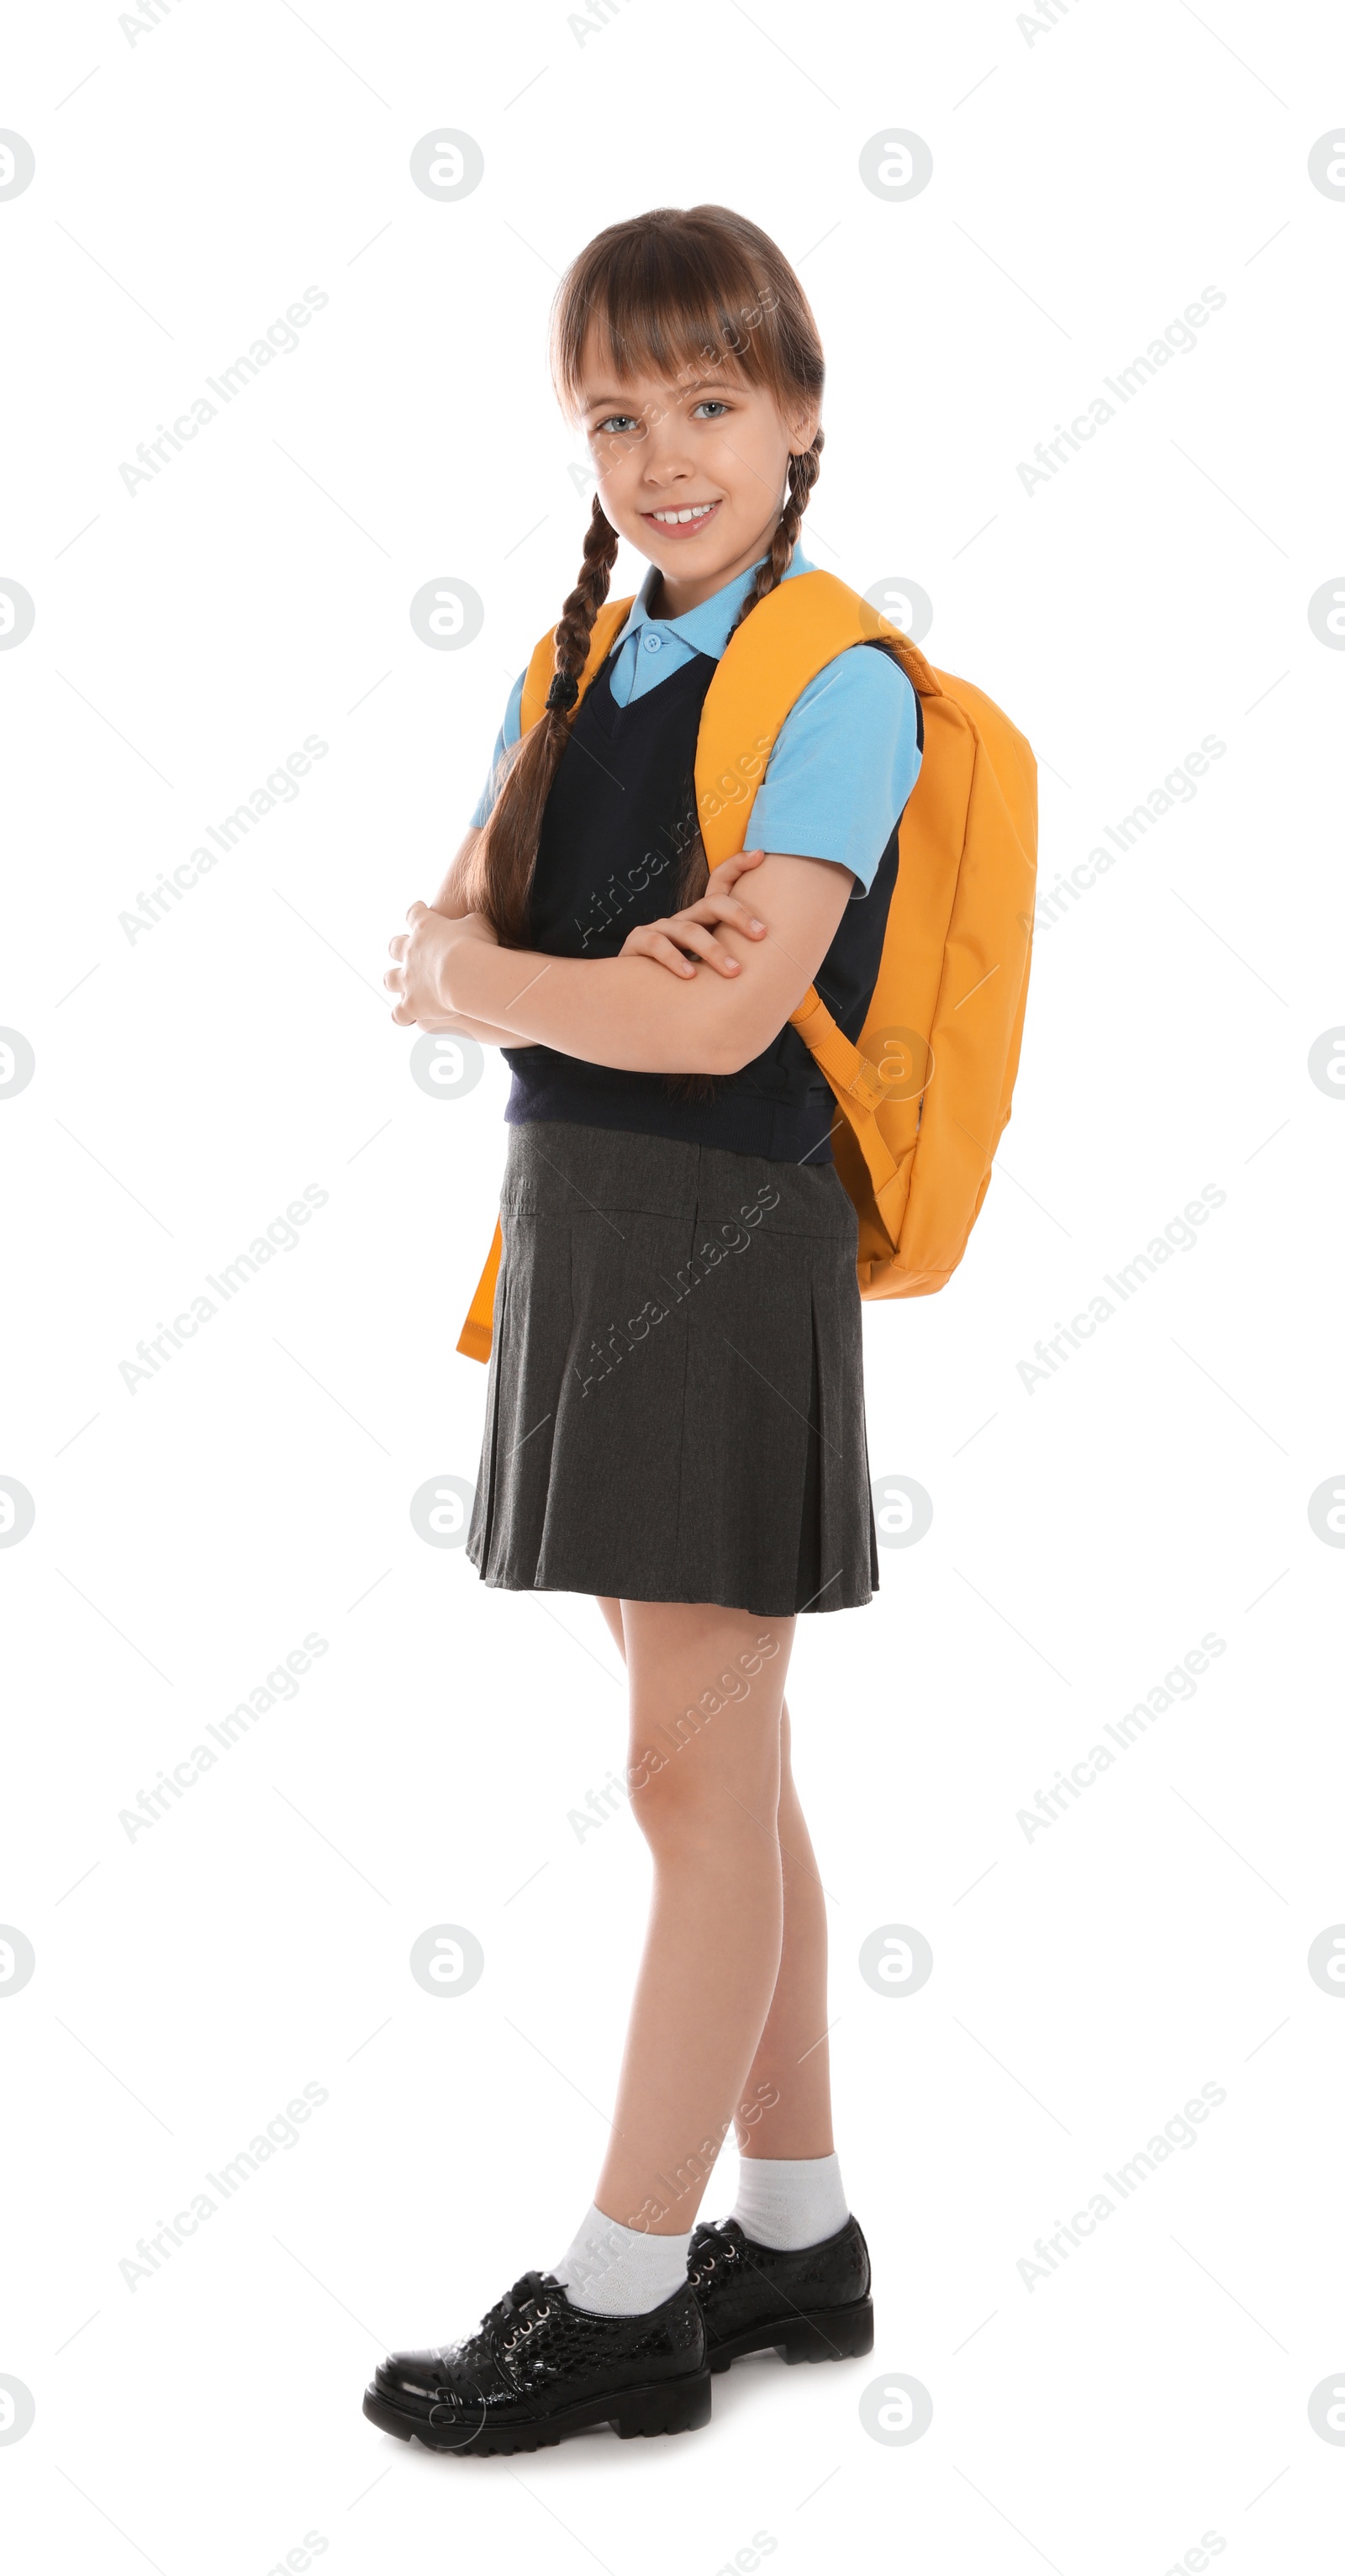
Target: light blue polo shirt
845	759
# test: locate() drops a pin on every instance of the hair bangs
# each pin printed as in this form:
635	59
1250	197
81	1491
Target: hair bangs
674	296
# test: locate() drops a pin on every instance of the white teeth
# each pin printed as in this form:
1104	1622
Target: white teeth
676	518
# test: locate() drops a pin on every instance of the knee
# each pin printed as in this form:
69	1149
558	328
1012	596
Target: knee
706	1837
689	1804
672	1818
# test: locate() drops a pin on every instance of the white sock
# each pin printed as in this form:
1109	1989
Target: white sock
787	2202
616	2271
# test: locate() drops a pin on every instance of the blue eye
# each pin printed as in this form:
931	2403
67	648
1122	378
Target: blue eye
711	405
620	424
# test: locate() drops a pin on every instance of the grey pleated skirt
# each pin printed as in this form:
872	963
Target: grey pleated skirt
675	1408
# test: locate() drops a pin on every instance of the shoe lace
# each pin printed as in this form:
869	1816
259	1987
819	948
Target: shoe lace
519	2313
718	2247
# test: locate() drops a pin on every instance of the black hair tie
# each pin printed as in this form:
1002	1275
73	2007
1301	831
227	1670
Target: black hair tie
562	694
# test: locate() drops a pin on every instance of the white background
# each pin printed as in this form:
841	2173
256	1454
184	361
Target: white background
1090	178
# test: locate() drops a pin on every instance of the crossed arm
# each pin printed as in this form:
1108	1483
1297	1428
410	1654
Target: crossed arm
454	907
654	1009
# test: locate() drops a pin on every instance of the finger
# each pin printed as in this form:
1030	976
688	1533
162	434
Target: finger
398	947
731	869
723	908
727	908
417	913
703	943
656	944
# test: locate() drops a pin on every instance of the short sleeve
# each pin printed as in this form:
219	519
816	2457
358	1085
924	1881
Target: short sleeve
509	733
844	763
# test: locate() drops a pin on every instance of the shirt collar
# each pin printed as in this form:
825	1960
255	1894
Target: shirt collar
705	629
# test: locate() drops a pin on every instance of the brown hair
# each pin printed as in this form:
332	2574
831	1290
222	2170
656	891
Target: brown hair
673	293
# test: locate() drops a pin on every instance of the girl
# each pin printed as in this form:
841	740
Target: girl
674	1418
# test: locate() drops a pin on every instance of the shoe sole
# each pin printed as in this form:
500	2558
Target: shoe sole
825	2334
669	2406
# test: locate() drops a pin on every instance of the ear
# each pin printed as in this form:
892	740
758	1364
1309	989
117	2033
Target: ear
802	433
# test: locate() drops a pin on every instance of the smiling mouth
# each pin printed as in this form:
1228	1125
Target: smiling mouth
687	520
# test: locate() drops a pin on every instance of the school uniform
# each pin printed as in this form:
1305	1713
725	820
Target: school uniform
675	1408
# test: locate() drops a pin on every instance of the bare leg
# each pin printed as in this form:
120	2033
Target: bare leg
707	1689
790	2075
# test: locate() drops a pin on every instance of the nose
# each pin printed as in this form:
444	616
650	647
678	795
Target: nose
666	460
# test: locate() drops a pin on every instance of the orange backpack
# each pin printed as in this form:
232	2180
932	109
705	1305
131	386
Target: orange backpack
924	1097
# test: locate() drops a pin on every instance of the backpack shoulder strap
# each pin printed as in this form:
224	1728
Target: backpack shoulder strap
767	664
541	669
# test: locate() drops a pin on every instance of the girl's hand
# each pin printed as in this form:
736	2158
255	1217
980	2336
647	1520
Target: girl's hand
683	936
420	954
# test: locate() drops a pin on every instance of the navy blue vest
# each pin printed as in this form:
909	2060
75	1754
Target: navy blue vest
618	820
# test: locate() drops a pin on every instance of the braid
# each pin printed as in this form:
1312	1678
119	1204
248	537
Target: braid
505	857
803	473
586	598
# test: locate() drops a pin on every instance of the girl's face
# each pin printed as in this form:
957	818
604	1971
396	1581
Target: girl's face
714	447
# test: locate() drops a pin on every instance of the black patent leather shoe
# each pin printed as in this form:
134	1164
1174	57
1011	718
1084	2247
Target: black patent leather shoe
537	2370
810	2306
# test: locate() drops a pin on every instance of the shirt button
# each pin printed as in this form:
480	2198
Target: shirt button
652	643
